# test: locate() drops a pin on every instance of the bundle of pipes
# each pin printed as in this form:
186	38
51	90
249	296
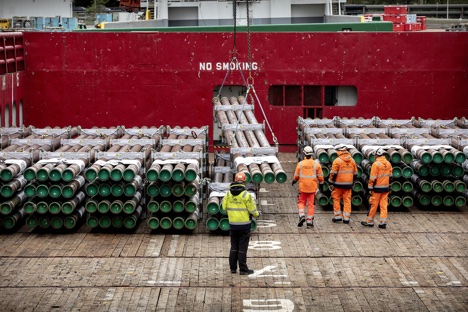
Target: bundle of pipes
307	123
116	221
435	153
326	153
175	180
179	170
55	166
11	133
262	167
190	222
117	186
56	181
17	157
71	222
39	140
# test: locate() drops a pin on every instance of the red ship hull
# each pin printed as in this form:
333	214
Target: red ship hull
150	78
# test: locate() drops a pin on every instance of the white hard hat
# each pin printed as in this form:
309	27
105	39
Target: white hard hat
380	151
340	147
307	151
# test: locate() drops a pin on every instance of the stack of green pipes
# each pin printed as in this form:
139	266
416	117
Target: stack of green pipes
437	164
12	197
115	186
423	174
174	186
26	202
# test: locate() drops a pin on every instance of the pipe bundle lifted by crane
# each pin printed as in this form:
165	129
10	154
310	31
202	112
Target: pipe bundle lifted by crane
245	137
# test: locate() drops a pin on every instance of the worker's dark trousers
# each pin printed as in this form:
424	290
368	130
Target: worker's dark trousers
239	244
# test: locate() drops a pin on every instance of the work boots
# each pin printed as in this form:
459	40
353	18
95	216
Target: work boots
301	221
382	225
310	222
369	224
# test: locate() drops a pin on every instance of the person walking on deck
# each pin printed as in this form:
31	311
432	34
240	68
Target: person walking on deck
310	177
343	173
379	188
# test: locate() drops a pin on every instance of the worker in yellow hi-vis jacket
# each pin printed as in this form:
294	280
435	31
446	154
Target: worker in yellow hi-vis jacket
239	205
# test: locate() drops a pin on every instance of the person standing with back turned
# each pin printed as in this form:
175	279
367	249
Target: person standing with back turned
239	205
379	188
310	176
343	173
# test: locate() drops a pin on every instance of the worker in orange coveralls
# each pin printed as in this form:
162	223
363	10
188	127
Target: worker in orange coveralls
379	188
343	173
310	176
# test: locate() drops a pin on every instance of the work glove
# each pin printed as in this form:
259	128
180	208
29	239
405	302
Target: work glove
293	182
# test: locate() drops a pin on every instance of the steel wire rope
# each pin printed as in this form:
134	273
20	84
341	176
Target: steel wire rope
234	46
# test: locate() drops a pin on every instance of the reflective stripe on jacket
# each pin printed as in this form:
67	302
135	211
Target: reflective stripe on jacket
343	171
381	172
309	173
239	208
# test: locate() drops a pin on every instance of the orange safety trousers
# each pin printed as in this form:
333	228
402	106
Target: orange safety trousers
304	198
376	200
337	194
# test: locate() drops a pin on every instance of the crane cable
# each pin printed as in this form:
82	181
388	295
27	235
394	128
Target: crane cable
249	82
250	79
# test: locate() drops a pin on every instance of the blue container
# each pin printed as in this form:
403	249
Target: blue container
69	23
38	21
51	22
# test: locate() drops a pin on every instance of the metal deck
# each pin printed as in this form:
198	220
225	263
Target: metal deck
419	263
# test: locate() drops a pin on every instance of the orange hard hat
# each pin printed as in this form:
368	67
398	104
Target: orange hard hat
240	177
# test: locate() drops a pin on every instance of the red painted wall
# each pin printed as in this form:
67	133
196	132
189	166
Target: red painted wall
12	92
148	78
12	78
